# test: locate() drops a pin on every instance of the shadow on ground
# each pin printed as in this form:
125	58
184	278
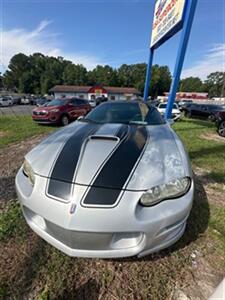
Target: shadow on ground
89	290
197	224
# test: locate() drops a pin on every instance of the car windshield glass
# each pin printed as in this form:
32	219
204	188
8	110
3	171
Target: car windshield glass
126	113
56	102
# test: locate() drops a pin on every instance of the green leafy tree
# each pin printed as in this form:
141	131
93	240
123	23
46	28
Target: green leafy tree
104	75
191	84
74	74
18	65
1	81
215	84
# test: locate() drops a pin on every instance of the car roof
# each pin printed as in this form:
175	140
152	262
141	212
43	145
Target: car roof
125	101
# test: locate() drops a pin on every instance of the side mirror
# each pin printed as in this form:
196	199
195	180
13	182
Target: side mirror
170	122
80	118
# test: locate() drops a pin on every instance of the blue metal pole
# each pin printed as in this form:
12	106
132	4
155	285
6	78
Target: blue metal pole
148	74
188	20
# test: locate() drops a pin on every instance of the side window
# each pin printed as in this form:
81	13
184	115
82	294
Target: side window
80	102
74	101
154	117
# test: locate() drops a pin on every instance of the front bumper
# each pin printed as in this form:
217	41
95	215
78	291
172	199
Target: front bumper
125	230
45	121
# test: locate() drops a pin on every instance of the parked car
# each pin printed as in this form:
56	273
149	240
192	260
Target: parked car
92	102
220	123
154	102
184	103
176	113
42	101
25	100
6	101
33	101
116	183
61	111
204	111
100	100
16	100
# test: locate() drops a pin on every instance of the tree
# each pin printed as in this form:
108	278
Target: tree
19	64
160	81
191	84
38	73
74	74
1	81
104	75
214	84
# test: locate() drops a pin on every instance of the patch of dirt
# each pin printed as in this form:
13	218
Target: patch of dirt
202	282
3	134
212	137
11	159
215	191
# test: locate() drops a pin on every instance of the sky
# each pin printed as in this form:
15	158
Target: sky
113	32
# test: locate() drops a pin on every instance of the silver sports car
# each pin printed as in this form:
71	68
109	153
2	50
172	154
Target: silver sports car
115	183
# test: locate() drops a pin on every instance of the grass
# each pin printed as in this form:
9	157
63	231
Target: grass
204	153
34	269
12	222
17	128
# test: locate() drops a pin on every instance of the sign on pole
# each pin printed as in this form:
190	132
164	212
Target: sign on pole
168	20
170	16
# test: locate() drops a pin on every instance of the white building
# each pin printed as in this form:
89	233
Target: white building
93	92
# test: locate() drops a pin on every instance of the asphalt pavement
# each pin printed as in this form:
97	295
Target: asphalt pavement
16	110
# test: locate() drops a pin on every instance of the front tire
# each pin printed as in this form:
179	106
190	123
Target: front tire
188	114
221	129
64	120
211	118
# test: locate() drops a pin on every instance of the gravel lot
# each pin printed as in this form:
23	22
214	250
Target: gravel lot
16	110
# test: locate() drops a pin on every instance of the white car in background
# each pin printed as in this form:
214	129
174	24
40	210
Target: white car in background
92	102
6	101
176	113
25	100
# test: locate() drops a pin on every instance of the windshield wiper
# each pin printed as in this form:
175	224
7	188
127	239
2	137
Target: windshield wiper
89	120
138	123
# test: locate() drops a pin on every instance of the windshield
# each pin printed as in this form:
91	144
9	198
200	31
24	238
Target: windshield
163	105
126	113
216	107
57	102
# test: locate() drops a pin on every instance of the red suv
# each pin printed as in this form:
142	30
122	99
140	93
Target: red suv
61	111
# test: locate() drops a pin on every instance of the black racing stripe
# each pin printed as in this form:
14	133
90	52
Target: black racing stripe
113	176
61	178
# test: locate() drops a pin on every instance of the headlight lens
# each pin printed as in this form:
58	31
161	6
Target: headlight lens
54	110
28	171
173	189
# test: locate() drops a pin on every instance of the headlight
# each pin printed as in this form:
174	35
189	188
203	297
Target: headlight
54	110
173	189
28	171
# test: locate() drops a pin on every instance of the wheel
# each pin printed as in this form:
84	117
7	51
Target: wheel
188	114
211	118
221	129
64	120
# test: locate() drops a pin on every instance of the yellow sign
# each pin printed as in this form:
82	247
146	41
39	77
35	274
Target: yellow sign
167	14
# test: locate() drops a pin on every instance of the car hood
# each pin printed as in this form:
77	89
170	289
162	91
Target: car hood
110	156
45	108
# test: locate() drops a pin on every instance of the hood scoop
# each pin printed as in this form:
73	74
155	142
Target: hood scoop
95	152
104	138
